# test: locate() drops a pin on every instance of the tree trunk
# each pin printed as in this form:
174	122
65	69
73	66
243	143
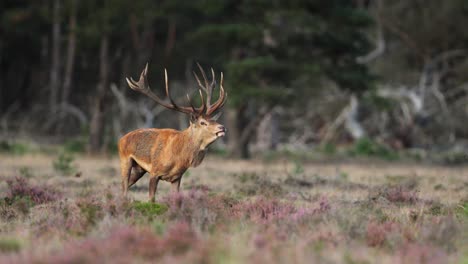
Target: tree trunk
97	114
267	133
69	63
71	48
238	140
55	61
233	135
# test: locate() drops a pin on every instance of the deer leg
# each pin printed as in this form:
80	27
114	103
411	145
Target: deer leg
137	173
153	186
175	185
125	169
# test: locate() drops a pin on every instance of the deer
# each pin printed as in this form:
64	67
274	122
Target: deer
164	153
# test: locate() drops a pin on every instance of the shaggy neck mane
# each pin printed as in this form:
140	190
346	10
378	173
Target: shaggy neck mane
194	149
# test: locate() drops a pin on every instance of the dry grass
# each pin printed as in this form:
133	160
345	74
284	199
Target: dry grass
237	211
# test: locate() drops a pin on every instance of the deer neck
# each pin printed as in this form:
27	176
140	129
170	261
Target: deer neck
194	146
194	140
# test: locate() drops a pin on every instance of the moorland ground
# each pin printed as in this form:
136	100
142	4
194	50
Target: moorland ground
234	211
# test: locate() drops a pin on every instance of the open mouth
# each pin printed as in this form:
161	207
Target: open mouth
221	133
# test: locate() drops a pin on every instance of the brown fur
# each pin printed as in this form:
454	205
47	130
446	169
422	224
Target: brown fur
165	153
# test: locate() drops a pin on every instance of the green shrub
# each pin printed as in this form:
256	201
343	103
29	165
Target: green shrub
369	148
9	245
13	148
453	158
77	145
461	210
149	209
26	172
298	168
12	207
64	164
92	212
329	149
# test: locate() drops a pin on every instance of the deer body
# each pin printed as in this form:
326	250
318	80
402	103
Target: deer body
167	153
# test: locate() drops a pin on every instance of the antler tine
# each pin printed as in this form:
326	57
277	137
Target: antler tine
207	87
212	85
203	75
194	110
142	86
206	107
203	107
200	110
190	102
213	79
198	81
221	100
167	89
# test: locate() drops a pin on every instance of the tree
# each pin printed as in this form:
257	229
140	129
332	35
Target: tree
275	52
426	61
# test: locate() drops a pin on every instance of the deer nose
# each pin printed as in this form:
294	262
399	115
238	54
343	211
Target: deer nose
222	128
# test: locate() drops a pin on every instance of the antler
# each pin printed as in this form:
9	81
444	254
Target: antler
143	87
208	88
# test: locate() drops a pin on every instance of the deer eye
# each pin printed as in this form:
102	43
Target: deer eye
203	123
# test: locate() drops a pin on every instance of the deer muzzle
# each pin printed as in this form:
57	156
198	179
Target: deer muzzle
221	132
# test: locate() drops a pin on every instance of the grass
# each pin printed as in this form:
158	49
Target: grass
149	209
8	245
234	212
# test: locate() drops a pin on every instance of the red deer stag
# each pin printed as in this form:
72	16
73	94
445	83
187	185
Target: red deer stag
167	153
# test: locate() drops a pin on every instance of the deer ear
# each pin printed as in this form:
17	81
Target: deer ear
193	119
215	117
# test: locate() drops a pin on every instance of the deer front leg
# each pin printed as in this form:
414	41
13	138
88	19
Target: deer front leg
153	186
175	185
125	169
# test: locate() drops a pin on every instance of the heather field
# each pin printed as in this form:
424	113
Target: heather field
69	210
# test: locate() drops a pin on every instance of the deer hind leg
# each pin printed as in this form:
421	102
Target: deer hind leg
125	169
153	186
136	174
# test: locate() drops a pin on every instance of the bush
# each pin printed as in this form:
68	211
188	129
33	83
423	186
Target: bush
329	149
77	145
198	208
14	207
13	148
266	210
377	234
369	148
64	164
149	209
90	211
416	253
125	244
9	245
26	172
251	184
396	194
19	187
462	210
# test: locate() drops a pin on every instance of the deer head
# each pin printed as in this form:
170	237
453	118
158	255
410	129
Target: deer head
203	125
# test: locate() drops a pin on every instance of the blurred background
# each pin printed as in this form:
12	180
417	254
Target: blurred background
357	77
